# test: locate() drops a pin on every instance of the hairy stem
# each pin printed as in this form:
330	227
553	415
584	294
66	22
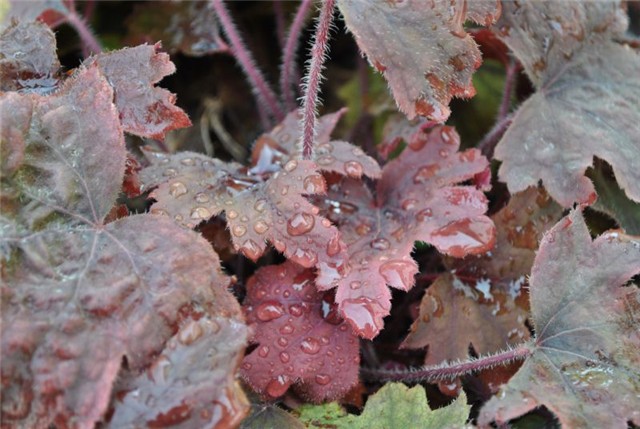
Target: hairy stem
90	44
449	371
288	70
314	76
261	89
489	141
509	81
278	11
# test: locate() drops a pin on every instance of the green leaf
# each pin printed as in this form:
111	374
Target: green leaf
393	406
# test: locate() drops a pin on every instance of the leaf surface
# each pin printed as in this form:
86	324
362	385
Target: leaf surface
80	295
417	199
483	301
586	102
584	366
421	48
300	341
145	110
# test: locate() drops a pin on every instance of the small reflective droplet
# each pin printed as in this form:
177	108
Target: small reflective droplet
409	204
232	214
177	189
263	351
355	285
323	379
296	310
326	160
287	329
283	342
300	223
380	244
251	250
260	227
187	161
190	333
278	386
353	169
422	215
260	205
310	346
238	230
313	184
200	213
170	172
284	357
290	166
201	197
269	310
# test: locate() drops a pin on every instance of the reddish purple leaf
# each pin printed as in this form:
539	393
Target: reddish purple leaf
417	199
192	383
584	366
483	300
421	48
586	102
145	110
300	342
28	60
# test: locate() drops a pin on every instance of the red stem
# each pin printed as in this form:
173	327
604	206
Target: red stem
449	371
314	76
509	82
489	141
278	11
90	43
289	54
261	88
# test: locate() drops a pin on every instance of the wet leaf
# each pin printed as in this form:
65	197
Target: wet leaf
145	109
393	406
191	383
584	365
79	295
417	199
271	417
300	341
483	300
421	48
28	60
585	104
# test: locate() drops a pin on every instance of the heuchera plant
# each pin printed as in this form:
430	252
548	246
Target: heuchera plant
287	287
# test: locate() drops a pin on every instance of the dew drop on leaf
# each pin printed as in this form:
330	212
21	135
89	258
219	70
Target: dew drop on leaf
290	166
238	230
425	173
310	346
251	250
232	214
200	213
322	379
177	189
296	310
326	160
287	329
263	351
269	310
260	205
354	285
398	273
313	184
353	169
380	244
306	258
409	204
260	227
201	197
278	386
300	223
284	357
333	246
190	333
424	214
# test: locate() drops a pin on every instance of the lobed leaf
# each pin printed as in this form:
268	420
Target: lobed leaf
145	110
483	301
421	48
584	365
300	341
586	100
417	199
394	405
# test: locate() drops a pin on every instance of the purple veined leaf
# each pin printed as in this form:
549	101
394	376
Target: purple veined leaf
417	199
145	109
586	103
584	365
421	47
483	300
301	343
79	295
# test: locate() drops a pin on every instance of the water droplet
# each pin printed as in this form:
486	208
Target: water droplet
269	310
177	189
178	217
300	223
324	340
263	351
290	166
365	314
251	250
422	215
306	258
170	172
380	244
232	214
324	148
313	184
333	246
246	366
159	212
425	173
353	169
445	134
363	229
409	204
284	190
443	153
278	386
323	379
357	151
296	310
326	222
279	245
284	357
200	213
202	198
260	227
283	342
190	333
187	161
355	285
260	205
460	237
326	160
238	230
398	274
287	329
310	346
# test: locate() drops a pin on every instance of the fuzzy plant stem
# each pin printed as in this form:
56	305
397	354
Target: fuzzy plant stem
450	370
288	70
89	41
509	82
314	76
491	139
261	89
